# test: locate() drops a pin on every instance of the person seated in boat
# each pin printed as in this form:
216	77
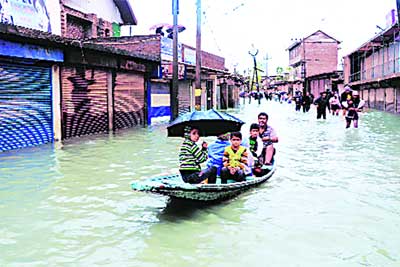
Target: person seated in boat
255	142
268	136
216	152
190	158
235	160
256	149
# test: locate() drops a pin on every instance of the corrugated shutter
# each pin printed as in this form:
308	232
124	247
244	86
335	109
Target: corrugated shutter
380	99
128	100
397	100
389	101
25	106
84	101
184	96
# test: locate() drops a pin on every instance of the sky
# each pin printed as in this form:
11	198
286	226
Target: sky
232	28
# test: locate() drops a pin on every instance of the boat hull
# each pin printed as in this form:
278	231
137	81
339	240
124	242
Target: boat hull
174	187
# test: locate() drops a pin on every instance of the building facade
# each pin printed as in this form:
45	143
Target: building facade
56	84
312	56
374	70
66	72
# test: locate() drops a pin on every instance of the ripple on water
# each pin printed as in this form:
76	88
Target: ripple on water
332	201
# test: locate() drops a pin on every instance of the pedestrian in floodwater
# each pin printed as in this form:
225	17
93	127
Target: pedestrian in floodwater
353	106
346	95
306	102
335	105
321	103
298	100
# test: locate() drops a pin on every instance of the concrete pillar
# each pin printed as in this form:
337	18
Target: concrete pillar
214	89
110	101
56	94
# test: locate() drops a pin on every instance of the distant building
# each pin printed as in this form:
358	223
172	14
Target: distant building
374	70
312	56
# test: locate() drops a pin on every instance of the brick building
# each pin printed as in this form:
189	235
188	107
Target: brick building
56	87
311	57
101	92
374	70
77	77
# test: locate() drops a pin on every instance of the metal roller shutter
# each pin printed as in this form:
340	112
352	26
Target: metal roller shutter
184	96
84	101
25	106
128	100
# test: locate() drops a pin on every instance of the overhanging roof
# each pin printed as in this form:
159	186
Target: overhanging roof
389	34
126	11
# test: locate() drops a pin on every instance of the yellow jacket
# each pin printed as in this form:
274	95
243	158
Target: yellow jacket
235	158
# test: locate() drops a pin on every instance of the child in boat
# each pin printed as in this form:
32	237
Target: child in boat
190	158
234	160
255	142
216	151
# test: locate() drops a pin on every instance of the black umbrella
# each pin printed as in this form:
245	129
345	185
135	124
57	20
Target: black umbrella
210	123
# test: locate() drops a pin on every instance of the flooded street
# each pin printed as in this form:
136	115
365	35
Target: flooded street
333	201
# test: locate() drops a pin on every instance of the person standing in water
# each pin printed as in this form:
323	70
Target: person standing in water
353	106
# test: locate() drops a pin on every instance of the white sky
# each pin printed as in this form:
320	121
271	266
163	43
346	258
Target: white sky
231	27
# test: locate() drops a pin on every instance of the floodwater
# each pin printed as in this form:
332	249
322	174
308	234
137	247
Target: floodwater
333	201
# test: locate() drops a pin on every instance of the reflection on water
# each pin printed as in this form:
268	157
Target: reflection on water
333	201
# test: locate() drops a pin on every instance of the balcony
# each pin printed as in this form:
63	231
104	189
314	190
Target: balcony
377	71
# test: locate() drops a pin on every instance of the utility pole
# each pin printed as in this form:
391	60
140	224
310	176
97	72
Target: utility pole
266	64
174	93
198	90
398	11
305	88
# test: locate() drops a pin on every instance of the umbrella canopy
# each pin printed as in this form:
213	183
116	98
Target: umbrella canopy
159	25
180	28
210	123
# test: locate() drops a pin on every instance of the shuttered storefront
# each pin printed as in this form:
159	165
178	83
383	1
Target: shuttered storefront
184	96
397	101
389	100
84	101
25	106
128	100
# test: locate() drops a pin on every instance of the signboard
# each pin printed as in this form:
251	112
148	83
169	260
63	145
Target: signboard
32	14
12	49
167	71
189	56
167	49
391	18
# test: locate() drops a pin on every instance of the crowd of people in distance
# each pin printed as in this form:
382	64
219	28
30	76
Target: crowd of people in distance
230	157
349	102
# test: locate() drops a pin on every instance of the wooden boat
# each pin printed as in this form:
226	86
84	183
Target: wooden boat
174	187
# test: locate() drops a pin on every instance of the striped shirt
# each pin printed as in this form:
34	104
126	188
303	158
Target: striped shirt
191	155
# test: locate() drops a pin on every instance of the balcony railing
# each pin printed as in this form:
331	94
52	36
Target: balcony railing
377	71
